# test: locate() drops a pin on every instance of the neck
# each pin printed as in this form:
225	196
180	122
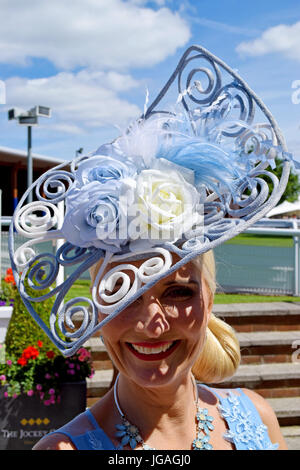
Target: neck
159	410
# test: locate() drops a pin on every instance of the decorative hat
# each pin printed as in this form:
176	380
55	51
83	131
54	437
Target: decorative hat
180	181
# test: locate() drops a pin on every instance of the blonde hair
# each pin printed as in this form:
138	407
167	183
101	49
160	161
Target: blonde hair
220	356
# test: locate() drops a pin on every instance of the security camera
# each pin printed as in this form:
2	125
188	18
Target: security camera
15	113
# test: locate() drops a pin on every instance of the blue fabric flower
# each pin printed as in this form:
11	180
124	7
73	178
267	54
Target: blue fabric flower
103	169
92	216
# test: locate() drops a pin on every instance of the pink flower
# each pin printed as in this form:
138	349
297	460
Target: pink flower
42	395
30	393
47	376
6	394
71	371
51	391
47	402
15	395
9	362
39	387
2	377
71	365
83	354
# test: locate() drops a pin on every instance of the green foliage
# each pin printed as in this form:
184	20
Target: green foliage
23	330
29	362
292	190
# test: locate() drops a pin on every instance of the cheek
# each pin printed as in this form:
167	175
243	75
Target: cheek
111	329
193	315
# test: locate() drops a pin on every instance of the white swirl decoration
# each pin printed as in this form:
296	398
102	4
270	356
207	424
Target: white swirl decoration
116	286
30	224
54	185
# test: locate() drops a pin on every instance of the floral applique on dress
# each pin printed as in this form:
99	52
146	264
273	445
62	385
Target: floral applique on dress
244	427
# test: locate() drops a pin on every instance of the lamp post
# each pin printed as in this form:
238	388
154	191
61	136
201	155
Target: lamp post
29	119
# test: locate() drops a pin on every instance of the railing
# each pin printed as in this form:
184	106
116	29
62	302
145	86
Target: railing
240	268
261	269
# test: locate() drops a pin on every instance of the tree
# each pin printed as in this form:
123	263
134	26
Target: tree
292	190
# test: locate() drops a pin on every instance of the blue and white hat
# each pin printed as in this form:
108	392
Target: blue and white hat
182	179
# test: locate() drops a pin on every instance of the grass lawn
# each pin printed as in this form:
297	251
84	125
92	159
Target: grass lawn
81	289
250	298
261	240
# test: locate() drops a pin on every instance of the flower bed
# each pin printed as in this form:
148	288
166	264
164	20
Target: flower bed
40	371
40	389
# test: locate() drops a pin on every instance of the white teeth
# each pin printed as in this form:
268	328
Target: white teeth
143	350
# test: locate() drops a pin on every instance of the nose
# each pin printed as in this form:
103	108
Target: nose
152	320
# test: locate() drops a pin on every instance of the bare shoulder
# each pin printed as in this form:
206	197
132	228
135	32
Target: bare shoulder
54	441
268	417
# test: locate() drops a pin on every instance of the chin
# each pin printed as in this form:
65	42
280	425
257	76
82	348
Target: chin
160	375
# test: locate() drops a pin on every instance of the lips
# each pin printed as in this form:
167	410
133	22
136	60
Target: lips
153	351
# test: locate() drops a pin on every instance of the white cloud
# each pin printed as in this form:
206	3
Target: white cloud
106	34
80	102
223	27
281	38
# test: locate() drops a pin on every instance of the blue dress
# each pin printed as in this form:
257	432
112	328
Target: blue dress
245	428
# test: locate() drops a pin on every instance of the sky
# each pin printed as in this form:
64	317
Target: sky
94	61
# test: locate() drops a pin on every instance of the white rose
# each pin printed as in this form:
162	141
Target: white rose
167	205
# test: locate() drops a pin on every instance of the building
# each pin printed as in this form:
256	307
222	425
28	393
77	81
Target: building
13	174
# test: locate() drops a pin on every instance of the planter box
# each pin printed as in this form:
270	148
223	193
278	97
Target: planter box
25	420
5	314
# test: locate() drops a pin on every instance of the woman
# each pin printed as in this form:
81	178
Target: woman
146	210
159	344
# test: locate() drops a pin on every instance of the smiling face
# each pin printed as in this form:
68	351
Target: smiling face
160	335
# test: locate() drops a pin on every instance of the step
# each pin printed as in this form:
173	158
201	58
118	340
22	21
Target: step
243	317
291	435
269	338
257	309
269	380
95	344
99	384
100	357
269	346
287	410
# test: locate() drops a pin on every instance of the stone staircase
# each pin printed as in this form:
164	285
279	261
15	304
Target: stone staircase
269	335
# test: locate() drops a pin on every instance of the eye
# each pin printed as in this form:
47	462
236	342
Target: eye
179	292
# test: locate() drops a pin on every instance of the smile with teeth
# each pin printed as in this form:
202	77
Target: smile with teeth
153	351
